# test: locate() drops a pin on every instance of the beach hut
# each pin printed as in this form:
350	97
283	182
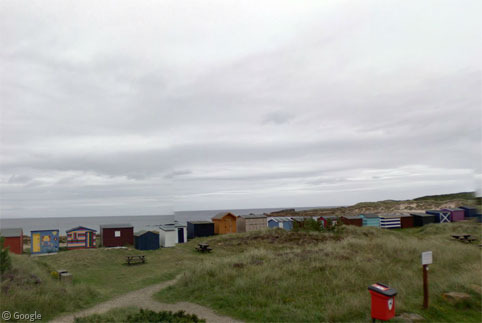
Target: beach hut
13	239
44	241
390	221
116	235
326	219
370	220
196	229
469	211
171	234
146	240
456	214
251	222
421	219
224	222
282	222
80	238
352	220
440	216
406	221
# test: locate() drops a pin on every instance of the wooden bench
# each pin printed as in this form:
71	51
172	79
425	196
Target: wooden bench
203	247
131	260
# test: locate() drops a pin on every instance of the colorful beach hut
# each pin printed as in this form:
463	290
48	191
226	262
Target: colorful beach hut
196	229
251	222
282	222
370	220
440	216
13	239
81	238
390	221
117	235
146	240
456	214
224	222
327	219
421	219
44	241
469	211
406	221
352	220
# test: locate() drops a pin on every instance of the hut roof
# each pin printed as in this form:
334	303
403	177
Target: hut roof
253	216
455	209
280	219
369	215
199	222
421	214
80	228
139	233
352	217
11	232
468	207
44	230
116	226
222	215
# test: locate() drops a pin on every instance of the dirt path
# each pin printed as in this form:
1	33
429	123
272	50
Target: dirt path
142	298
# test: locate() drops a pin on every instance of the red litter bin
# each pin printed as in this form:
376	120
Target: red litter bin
383	301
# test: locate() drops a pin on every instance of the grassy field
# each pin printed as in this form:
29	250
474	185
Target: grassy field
271	275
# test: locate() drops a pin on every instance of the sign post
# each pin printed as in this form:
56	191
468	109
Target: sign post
426	260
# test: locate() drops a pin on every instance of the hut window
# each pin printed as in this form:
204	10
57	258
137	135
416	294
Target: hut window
117	234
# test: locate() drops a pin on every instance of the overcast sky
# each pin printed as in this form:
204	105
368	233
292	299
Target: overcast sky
145	107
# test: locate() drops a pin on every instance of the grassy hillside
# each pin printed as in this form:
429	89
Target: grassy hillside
271	275
447	197
287	276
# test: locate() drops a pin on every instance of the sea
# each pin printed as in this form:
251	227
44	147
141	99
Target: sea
140	222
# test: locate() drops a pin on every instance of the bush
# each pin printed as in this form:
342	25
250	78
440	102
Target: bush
5	262
121	315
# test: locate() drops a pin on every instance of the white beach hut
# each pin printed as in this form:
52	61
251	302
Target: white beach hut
172	233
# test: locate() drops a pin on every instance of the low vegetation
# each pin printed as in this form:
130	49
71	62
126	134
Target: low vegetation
134	315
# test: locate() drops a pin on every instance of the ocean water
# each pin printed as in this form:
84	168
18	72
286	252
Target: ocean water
140	222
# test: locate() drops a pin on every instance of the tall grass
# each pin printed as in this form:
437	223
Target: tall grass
327	279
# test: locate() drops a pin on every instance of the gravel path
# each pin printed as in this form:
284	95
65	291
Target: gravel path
142	298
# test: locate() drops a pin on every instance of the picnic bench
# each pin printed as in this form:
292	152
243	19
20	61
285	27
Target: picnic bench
131	260
464	238
203	247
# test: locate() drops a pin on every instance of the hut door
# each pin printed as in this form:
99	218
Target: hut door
36	242
88	239
180	235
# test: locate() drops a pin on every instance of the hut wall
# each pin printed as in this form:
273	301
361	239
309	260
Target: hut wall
226	224
117	237
14	244
255	224
199	229
456	214
274	224
352	221
147	241
406	221
390	222
45	241
469	212
167	238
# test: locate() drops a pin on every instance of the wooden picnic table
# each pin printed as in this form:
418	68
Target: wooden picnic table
131	260
464	237
203	247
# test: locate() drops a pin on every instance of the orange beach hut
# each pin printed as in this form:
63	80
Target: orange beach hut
224	222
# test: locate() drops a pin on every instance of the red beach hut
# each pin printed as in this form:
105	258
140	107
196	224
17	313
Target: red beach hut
13	239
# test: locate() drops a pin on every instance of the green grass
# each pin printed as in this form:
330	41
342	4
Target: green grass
271	275
322	278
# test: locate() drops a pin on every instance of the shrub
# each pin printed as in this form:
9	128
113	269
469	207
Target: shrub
5	262
141	316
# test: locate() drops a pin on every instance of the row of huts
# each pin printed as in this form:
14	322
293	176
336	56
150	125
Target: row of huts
115	235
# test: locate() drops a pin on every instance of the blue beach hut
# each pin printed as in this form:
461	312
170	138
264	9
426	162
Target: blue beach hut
280	222
440	216
44	241
370	220
146	240
470	212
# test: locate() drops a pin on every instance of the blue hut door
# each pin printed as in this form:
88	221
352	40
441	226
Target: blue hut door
180	235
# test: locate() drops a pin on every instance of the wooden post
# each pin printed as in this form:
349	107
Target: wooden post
425	286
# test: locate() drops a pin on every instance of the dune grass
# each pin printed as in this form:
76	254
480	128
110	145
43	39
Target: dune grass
324	277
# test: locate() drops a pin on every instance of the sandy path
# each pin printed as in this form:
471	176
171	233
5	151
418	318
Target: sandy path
142	298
